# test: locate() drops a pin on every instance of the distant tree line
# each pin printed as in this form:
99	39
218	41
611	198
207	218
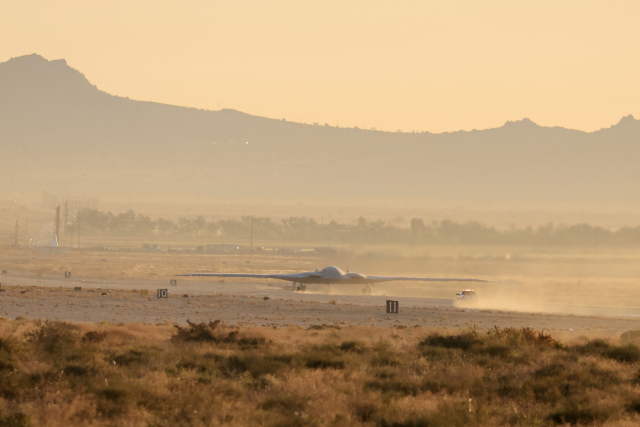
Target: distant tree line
303	229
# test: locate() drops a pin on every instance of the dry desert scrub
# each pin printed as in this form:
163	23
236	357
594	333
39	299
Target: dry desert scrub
54	373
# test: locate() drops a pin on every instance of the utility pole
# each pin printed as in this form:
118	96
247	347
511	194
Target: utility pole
58	223
66	217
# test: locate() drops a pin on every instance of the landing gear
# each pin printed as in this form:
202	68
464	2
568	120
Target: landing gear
299	287
367	290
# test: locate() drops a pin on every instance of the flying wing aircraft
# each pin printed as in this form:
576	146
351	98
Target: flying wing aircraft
333	276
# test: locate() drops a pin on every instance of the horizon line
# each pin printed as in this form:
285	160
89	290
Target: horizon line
524	120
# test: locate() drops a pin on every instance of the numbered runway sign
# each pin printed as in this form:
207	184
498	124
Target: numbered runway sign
163	293
392	307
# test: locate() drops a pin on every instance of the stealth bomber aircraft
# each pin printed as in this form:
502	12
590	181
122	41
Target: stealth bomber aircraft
333	276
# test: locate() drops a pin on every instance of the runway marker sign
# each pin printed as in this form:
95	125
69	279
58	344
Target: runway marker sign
392	307
163	293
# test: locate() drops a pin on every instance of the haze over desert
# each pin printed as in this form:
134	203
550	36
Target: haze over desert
283	213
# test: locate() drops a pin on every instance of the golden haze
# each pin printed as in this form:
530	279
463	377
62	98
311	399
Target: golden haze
434	66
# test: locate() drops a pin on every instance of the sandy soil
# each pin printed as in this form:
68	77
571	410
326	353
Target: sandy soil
246	303
561	294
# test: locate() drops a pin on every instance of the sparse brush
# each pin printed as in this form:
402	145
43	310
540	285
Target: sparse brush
8	345
54	336
198	332
353	347
628	353
463	341
94	336
17	419
212	374
323	326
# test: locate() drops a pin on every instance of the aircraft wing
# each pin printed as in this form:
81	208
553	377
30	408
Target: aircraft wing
421	279
290	277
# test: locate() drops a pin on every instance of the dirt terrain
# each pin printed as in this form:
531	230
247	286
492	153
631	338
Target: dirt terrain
522	293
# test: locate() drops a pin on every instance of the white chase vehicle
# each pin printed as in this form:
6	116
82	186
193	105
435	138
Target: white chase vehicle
468	295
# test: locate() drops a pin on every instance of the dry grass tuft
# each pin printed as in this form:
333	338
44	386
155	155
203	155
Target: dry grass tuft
56	373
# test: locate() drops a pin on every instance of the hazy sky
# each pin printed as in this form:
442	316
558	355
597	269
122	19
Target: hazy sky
410	65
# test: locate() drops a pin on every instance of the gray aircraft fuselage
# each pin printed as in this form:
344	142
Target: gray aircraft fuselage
333	276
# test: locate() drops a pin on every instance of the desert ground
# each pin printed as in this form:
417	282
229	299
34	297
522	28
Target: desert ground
567	294
543	346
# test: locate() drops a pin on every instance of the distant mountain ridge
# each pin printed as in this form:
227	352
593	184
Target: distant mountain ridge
59	132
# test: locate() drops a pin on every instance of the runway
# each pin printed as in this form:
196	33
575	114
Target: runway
267	304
